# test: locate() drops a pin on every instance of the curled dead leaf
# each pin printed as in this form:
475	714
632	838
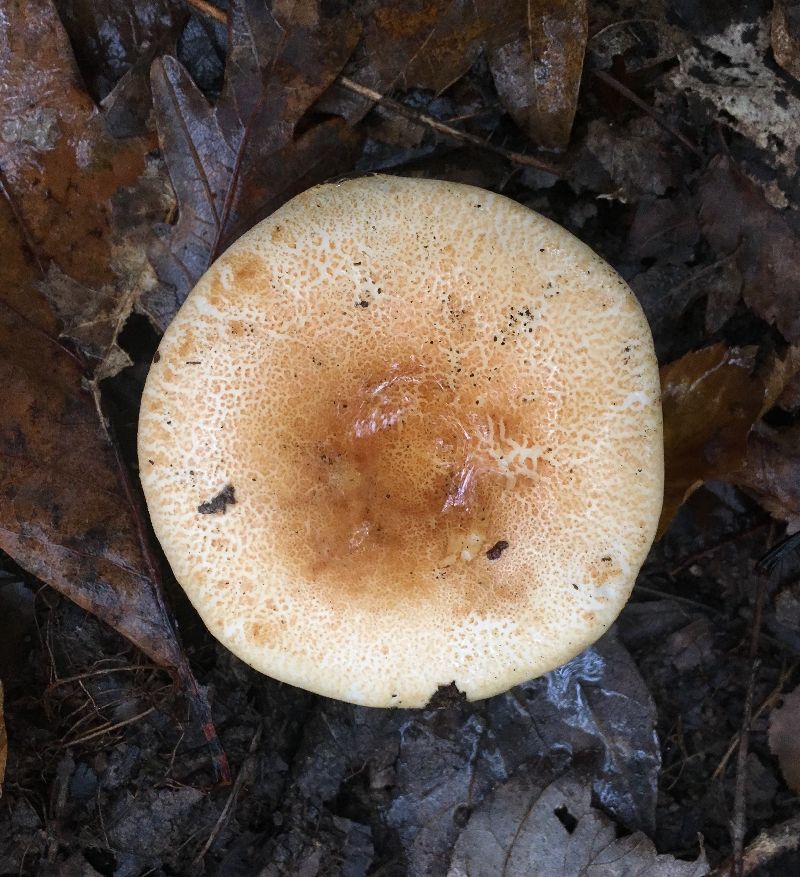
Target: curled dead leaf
233	163
784	739
538	71
712	399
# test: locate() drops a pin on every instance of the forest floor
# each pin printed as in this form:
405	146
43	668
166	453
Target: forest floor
666	135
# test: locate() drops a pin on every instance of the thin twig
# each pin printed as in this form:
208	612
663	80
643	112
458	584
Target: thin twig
738	823
768	846
244	774
107	729
128	668
727	540
768	702
208	9
634	98
399	109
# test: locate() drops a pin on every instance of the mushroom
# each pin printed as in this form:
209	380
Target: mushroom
405	433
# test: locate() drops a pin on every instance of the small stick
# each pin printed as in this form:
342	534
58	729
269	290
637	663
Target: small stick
400	109
738	823
770	843
634	98
107	729
208	9
244	774
770	701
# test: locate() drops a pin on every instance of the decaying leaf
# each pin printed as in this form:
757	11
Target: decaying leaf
737	221
538	71
235	162
441	763
712	399
535	51
65	510
3	738
542	824
784	739
785	35
771	472
60	169
68	513
110	37
730	73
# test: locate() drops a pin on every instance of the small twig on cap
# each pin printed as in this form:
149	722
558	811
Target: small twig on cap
399	109
770	843
634	98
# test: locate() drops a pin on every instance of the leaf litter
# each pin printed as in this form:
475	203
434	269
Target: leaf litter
676	164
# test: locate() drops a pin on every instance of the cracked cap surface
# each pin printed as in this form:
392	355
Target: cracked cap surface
405	433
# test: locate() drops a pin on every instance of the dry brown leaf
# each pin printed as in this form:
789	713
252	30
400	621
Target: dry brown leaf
60	169
738	222
785	35
712	400
3	738
784	738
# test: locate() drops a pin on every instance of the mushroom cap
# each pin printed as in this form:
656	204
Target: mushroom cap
405	433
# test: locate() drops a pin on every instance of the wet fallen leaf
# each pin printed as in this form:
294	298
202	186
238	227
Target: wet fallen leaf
771	472
540	823
711	399
111	36
235	162
784	740
737	221
538	71
60	169
535	51
68	513
3	738
785	35
432	767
